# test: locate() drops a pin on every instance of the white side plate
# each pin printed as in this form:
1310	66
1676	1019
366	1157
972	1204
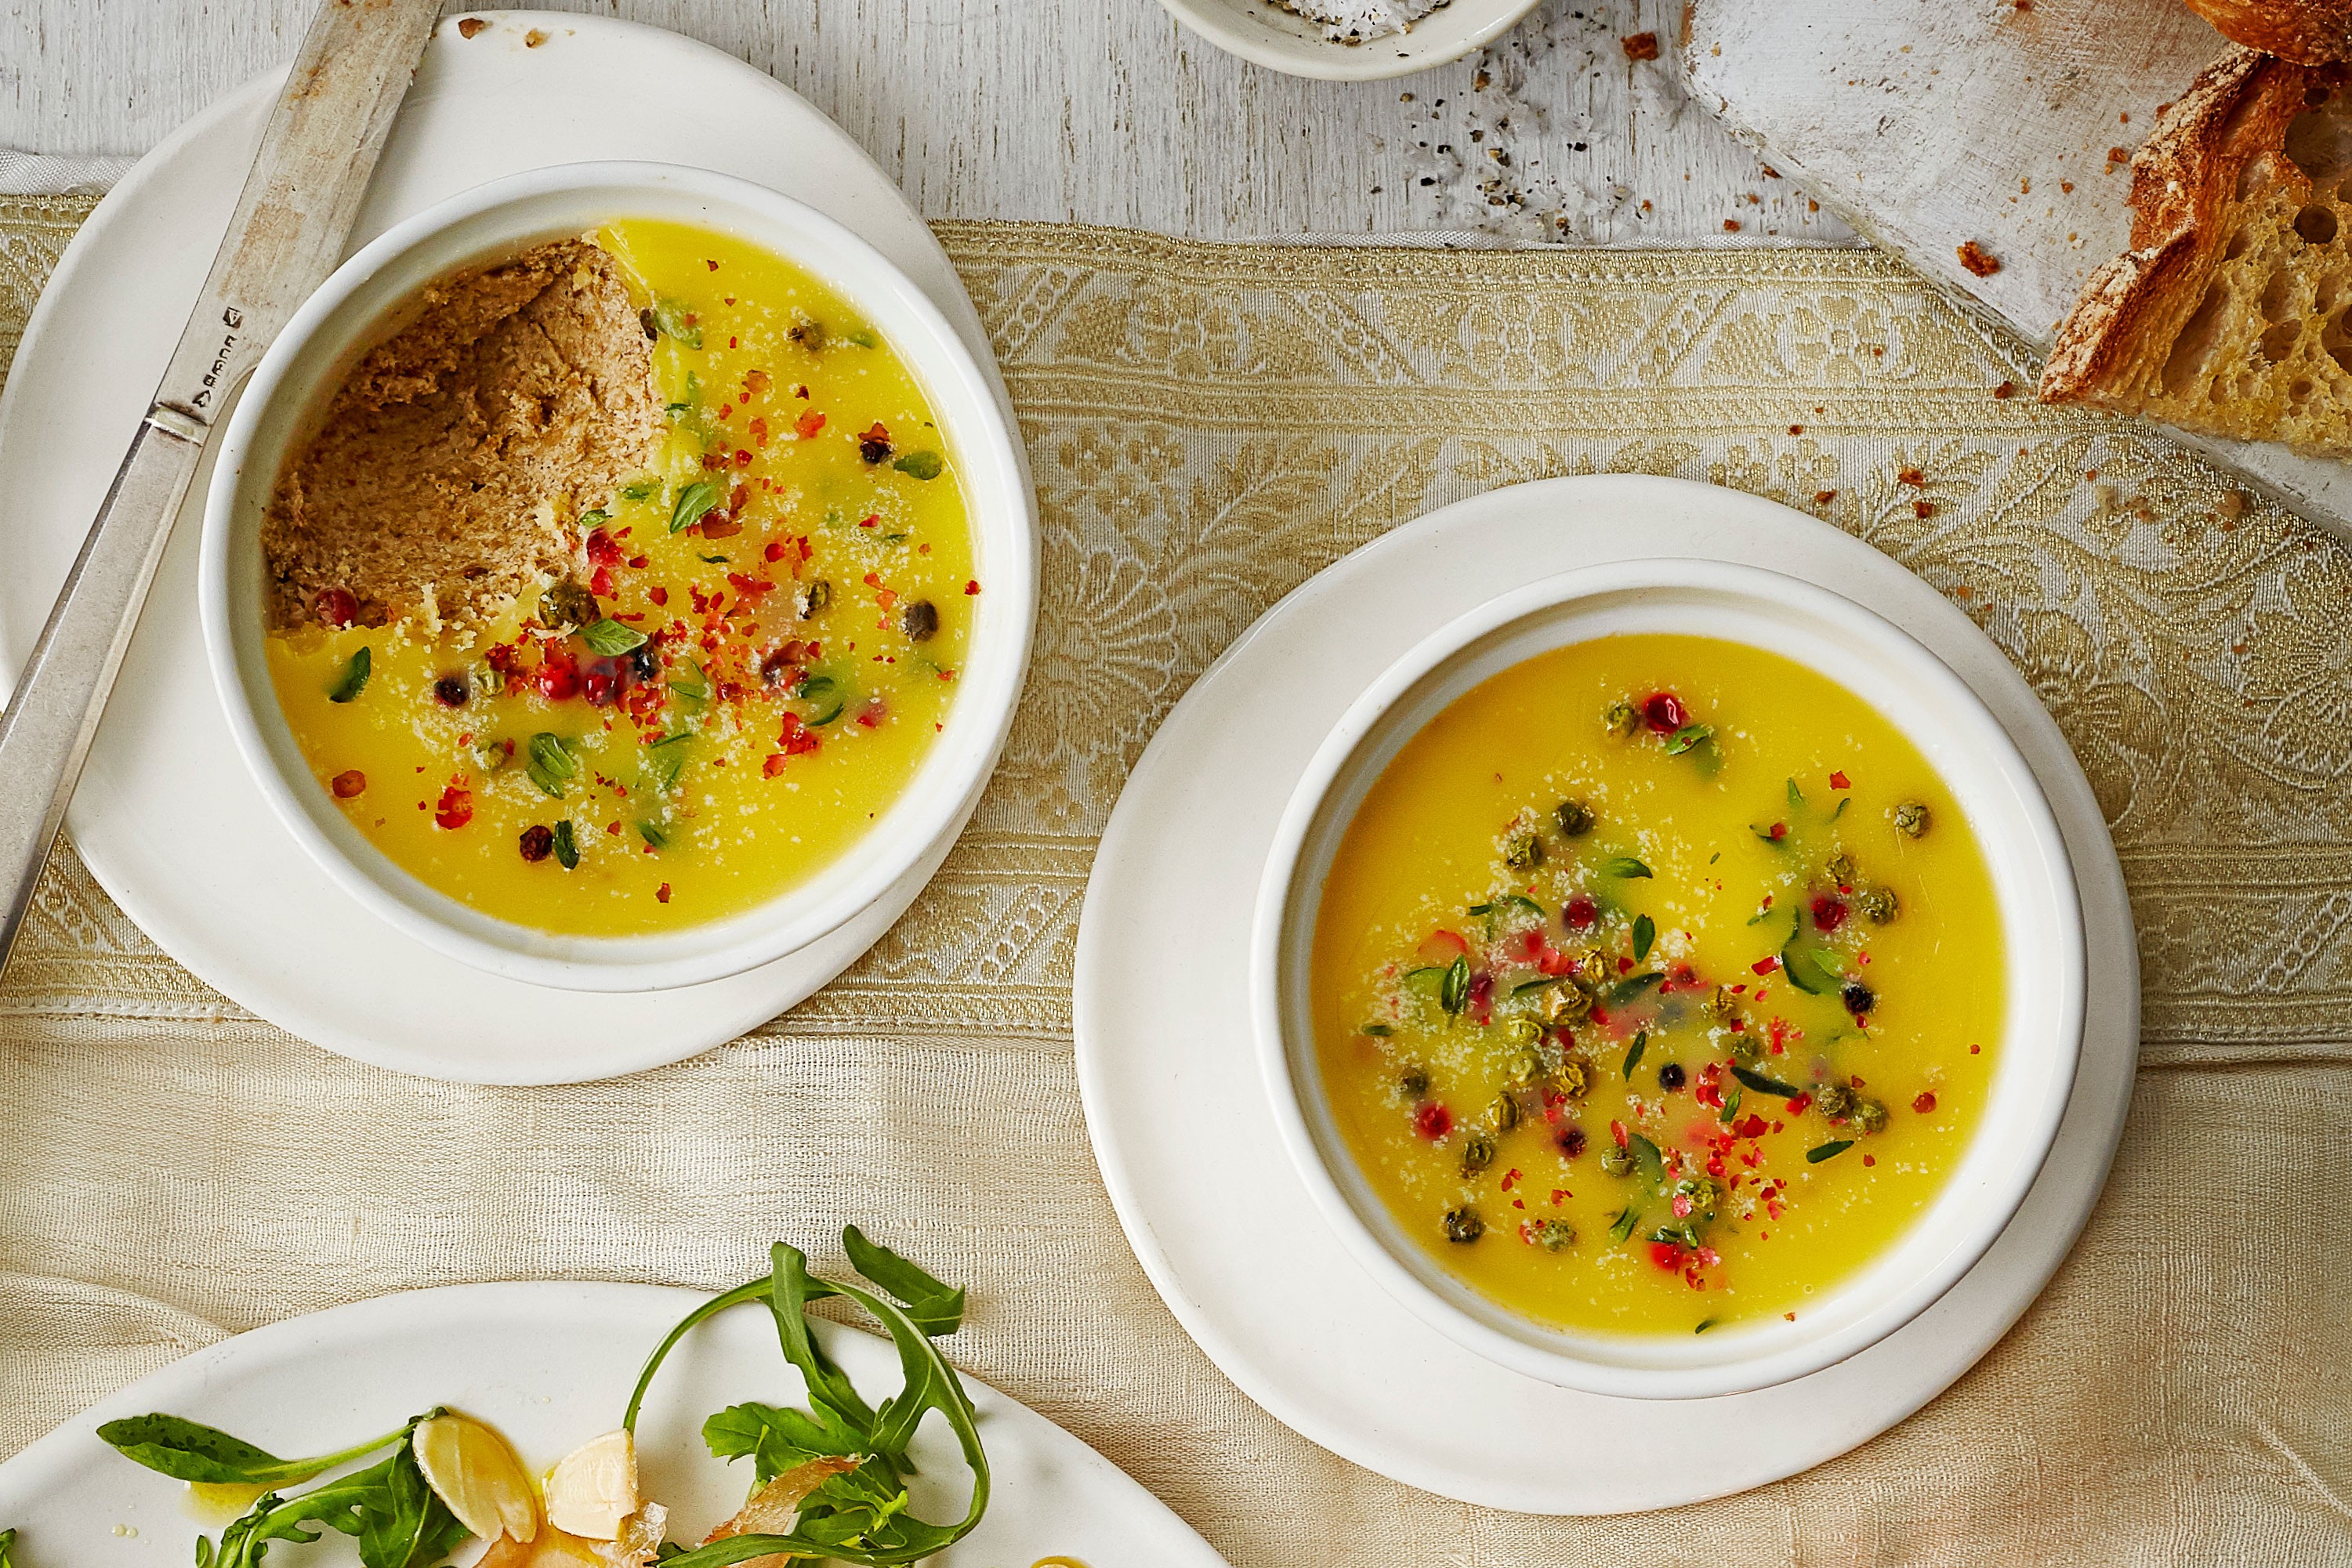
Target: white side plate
167	818
1185	1133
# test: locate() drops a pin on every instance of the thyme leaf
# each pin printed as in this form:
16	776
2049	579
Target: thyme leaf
1633	1052
1828	1151
1624	866
354	680
1645	932
1763	1086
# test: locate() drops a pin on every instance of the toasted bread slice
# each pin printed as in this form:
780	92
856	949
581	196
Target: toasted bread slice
2308	32
2228	313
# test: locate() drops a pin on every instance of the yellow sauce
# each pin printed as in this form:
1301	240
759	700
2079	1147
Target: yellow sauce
1741	830
783	766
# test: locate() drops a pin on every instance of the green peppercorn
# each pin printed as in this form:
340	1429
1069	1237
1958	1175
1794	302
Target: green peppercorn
1871	1116
1877	904
1840	869
566	605
1567	1003
1574	816
1617	1161
1463	1225
1506	1113
1722	1004
1522	851
1521	1032
1572	1078
1746	1050
1620	718
1477	1153
1413	1081
1526	1066
1703	1193
1835	1100
1552	1235
1911	818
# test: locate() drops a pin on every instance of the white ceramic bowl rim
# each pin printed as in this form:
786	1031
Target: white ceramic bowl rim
502	216
2033	881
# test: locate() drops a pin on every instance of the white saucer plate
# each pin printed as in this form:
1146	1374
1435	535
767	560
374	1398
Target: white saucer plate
551	1365
1186	1137
166	817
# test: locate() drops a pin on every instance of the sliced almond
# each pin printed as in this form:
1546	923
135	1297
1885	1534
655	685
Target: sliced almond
471	1469
593	1490
640	1537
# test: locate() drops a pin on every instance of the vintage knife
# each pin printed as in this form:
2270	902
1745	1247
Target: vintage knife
290	230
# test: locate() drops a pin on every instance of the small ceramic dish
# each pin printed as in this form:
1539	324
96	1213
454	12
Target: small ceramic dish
356	307
1269	35
2034	884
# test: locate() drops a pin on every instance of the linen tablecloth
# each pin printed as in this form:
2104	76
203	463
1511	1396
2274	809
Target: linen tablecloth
1209	426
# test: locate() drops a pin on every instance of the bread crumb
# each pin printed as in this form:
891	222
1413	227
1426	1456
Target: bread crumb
467	27
1979	260
2006	390
1924	509
1910	477
1731	226
1823	498
2232	504
1640	46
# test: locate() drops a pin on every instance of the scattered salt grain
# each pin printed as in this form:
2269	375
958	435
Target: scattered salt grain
1353	21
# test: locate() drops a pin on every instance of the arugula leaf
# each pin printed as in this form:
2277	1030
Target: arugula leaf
1645	932
863	1516
692	502
936	1306
395	1516
7	1541
1625	866
354	680
187	1451
612	638
1763	1086
1634	1051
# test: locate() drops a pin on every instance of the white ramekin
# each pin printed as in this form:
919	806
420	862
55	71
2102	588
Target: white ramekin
2034	884
349	314
1268	35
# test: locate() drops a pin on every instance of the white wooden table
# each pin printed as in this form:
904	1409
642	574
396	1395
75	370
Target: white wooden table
1089	111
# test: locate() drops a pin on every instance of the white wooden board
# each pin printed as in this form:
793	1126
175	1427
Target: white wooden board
1929	123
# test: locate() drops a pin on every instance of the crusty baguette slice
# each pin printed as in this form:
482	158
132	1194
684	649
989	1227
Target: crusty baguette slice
2308	32
2228	314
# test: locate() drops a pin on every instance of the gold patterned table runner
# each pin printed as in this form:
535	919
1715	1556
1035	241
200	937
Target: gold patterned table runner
1209	426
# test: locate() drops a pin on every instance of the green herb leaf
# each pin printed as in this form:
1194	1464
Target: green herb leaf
595	518
1828	1151
553	765
1429	980
659	765
1530	987
1644	932
654	834
692	502
1778	841
712	560
189	1452
1690	735
1796	796
1453	994
920	464
937	1308
1730	1107
670	316
1624	866
644	489
612	638
1704	1324
689	682
1646	1155
1807	970
567	850
1630	1217
1634	1051
1631	988
777	1440
7	1547
354	680
863	337
397	1520
1378	1030
1763	1086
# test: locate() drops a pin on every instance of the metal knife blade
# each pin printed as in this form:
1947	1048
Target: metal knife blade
289	232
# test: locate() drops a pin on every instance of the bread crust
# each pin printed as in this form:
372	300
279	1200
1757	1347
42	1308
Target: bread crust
2183	177
2307	31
